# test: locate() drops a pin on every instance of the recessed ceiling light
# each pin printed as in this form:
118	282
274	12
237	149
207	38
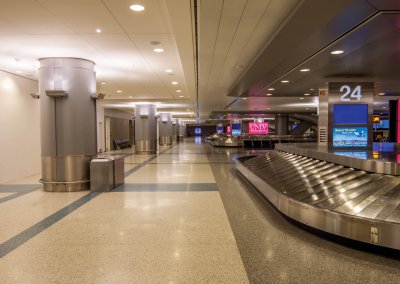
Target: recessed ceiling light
244	98
306	94
179	91
271	89
102	83
230	108
168	70
136	8
335	52
311	89
269	94
285	81
98	31
307	108
181	96
269	108
305	70
384	107
119	91
158	50
301	98
130	97
381	94
174	83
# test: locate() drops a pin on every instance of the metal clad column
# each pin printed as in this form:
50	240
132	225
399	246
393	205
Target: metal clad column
175	130
181	131
281	124
145	128
68	122
165	126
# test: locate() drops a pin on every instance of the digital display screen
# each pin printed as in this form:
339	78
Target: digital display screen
359	155
228	129
258	128
236	129
383	124
220	129
197	131
350	114
350	137
376	119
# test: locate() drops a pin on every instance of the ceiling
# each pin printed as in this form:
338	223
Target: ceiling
224	54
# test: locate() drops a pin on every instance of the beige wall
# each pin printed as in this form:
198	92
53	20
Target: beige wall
19	128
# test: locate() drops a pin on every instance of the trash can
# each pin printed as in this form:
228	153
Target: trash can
106	173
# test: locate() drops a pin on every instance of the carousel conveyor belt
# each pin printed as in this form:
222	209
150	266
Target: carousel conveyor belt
333	198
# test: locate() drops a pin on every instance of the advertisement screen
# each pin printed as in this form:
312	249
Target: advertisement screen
383	124
350	137
220	129
258	128
197	131
350	114
359	155
228	129
236	129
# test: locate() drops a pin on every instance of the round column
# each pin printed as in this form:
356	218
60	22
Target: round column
145	128
68	122
165	128
281	124
175	130
181	131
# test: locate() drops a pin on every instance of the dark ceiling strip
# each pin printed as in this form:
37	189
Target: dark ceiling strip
320	50
231	103
196	38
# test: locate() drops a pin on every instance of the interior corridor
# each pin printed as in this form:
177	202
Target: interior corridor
182	216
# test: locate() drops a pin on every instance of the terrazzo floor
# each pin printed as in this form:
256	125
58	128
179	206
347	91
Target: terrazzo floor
183	216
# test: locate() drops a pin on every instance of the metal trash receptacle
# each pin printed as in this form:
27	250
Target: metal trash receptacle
101	174
106	173
119	170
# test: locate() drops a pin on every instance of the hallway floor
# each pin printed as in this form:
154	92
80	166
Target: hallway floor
182	216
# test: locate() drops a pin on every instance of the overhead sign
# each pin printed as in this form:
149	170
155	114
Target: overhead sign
258	128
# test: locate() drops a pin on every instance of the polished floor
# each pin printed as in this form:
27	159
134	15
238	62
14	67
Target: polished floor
183	216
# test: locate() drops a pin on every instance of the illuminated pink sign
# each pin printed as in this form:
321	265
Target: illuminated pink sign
228	129
258	127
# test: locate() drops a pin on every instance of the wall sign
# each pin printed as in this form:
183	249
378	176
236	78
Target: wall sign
258	128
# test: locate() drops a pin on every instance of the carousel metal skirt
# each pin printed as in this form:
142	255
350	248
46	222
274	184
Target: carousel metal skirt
340	200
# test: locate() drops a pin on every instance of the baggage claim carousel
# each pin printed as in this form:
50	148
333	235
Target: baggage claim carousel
355	195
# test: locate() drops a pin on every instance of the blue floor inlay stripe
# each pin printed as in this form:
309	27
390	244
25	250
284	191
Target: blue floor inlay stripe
18	240
151	187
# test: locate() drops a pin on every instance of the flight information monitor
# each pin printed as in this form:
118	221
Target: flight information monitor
350	114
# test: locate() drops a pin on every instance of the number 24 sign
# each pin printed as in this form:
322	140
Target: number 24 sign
349	94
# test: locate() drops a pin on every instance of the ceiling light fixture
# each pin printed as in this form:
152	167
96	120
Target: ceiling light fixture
119	91
244	98
305	70
336	52
301	98
168	70
179	91
130	97
181	96
158	50
136	8
285	81
98	31
271	89
306	94
269	94
311	89
174	83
